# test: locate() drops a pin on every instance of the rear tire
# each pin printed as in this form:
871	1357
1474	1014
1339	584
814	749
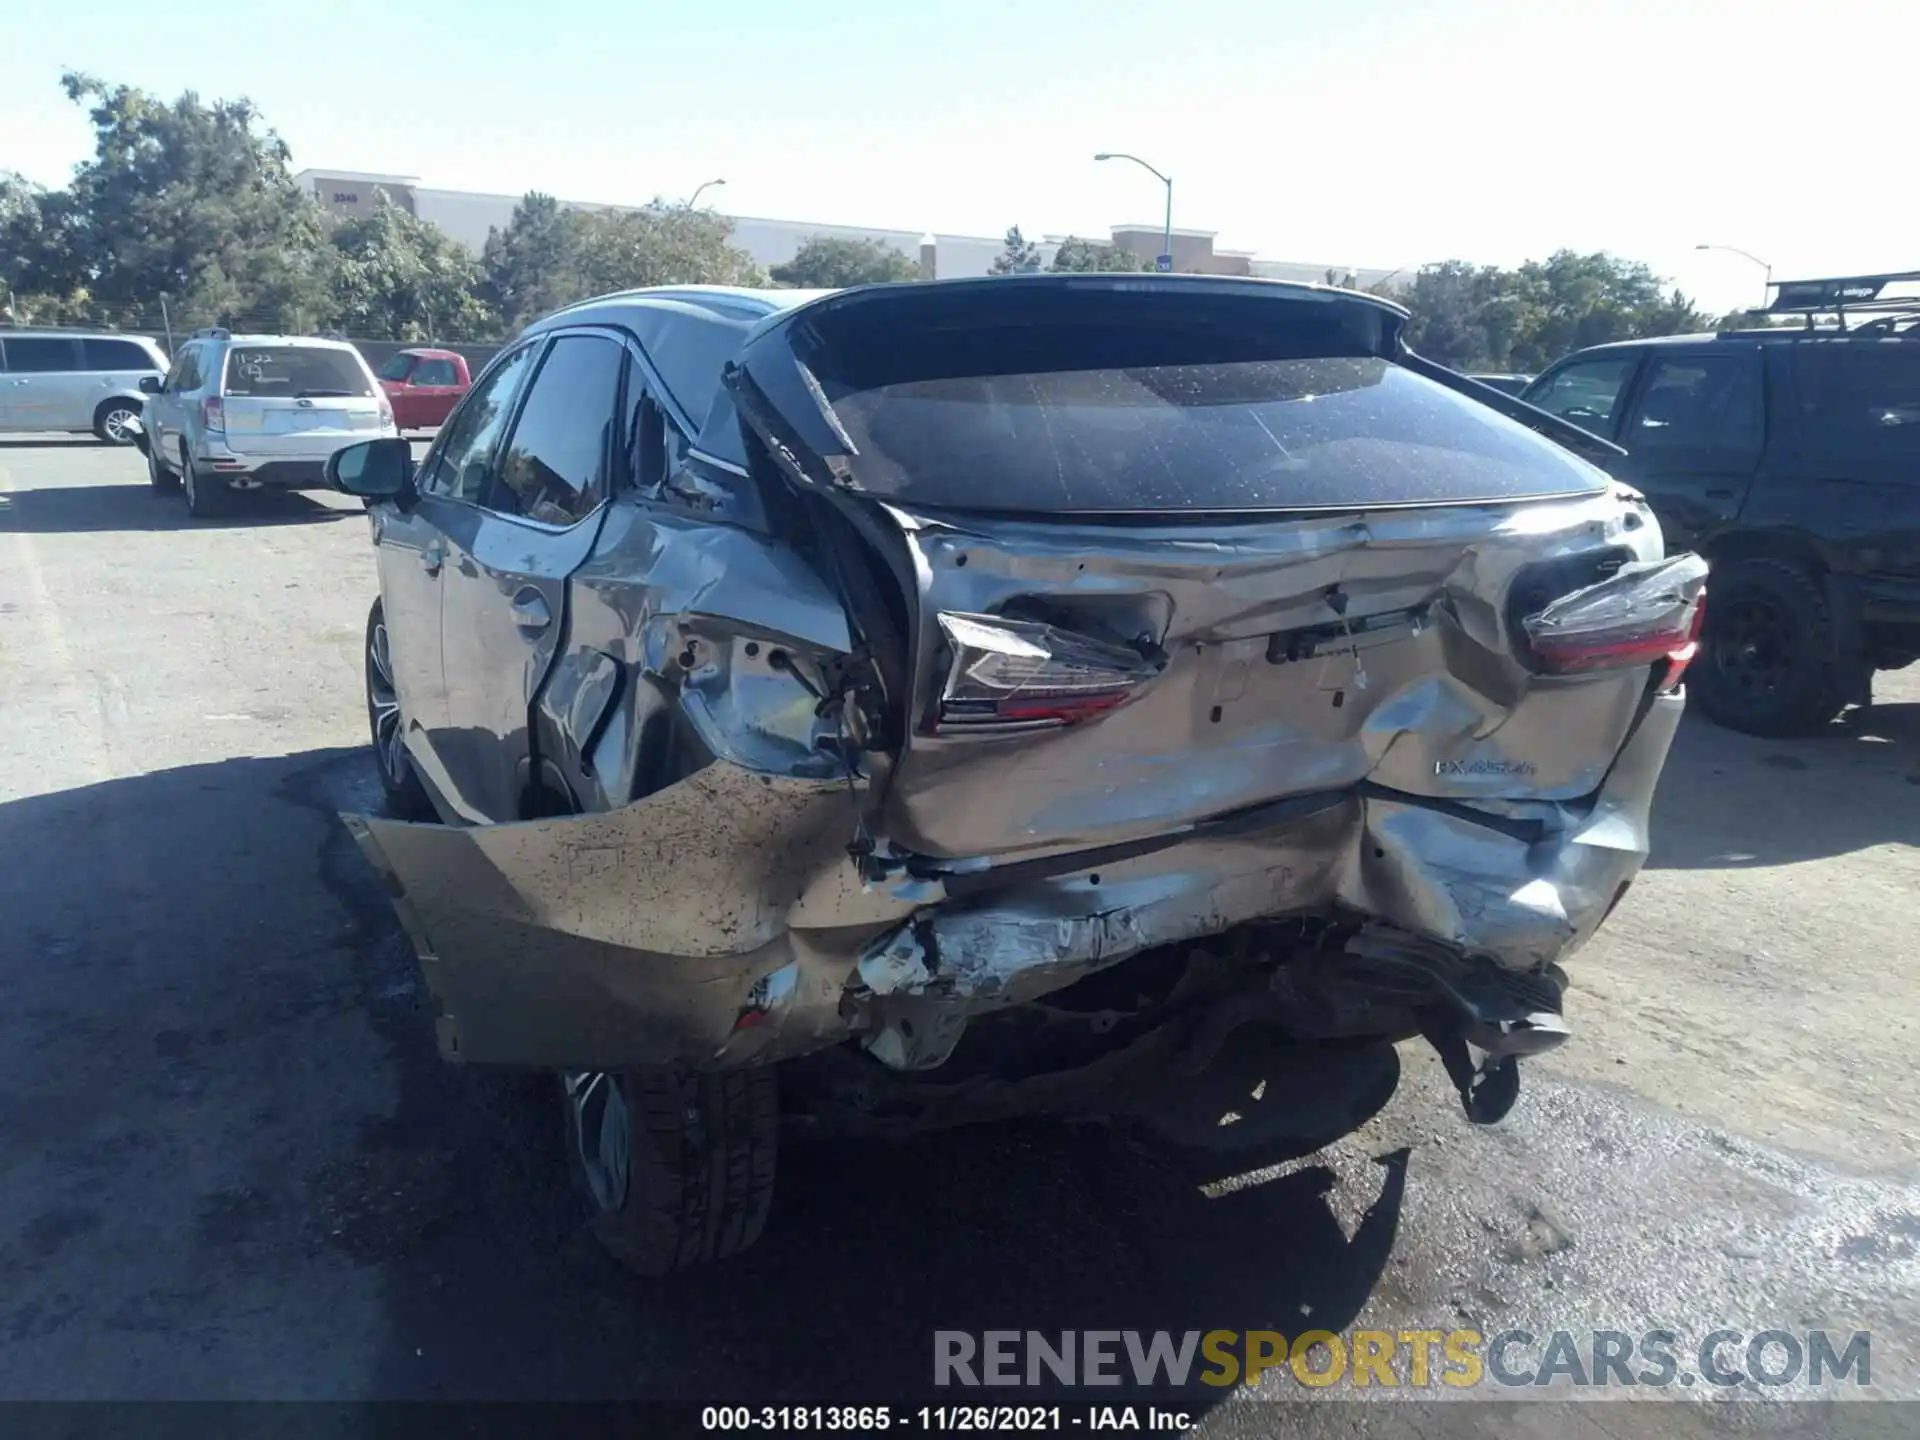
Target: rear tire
676	1169
163	480
206	497
109	422
1766	664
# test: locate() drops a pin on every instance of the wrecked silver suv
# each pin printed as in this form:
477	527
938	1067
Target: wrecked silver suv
956	697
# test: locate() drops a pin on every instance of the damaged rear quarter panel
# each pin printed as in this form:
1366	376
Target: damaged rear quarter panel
661	589
630	936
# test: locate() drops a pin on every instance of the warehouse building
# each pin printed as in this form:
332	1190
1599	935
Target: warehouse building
468	216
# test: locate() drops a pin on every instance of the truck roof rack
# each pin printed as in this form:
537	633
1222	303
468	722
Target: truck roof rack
1861	294
216	332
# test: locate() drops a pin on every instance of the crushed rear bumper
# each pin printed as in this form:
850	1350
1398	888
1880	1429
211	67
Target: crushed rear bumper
718	922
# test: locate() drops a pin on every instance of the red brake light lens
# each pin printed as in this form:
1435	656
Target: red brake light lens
213	413
1643	614
1013	675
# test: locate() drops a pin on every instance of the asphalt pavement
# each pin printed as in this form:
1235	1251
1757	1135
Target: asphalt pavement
233	1166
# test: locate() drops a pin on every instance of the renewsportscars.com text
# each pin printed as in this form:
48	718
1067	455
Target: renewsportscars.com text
1397	1359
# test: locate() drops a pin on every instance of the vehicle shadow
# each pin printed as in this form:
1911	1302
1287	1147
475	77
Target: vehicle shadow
1728	800
220	1103
91	509
50	442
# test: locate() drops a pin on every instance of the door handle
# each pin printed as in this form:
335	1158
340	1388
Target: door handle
432	558
530	612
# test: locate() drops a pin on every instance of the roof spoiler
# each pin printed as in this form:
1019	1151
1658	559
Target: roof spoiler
1565	433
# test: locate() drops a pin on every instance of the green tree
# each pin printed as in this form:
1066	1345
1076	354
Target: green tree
832	262
40	277
1020	256
1594	298
1482	317
397	277
531	265
1076	254
547	256
661	243
183	199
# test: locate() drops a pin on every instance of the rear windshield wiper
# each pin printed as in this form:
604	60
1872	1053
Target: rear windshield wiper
321	394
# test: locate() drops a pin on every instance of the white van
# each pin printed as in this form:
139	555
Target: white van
75	380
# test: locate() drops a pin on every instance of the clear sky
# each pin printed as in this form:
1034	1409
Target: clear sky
1347	132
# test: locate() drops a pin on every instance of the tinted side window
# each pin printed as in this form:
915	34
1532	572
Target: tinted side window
645	433
1586	392
396	367
187	369
114	355
554	469
458	467
42	355
435	372
1701	401
1860	397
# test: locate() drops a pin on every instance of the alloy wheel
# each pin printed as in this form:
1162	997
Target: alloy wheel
1753	648
597	1125
383	709
114	426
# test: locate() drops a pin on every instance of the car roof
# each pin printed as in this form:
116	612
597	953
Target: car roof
36	332
316	340
735	303
1707	339
430	352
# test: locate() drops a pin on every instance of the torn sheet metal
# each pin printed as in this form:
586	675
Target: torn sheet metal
598	940
665	931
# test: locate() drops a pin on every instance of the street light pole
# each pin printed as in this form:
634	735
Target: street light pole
1744	255
1166	246
703	186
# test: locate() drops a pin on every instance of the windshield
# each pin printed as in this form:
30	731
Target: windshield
295	372
1319	433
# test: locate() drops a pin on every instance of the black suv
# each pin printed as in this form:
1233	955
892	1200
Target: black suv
1790	458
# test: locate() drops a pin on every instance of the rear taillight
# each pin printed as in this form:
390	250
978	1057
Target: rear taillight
386	415
213	413
1011	675
1644	614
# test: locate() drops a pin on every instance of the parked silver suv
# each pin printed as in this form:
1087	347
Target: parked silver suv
242	412
75	380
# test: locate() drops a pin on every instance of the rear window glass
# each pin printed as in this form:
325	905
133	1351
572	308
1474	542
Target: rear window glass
1312	433
115	355
294	371
689	348
1861	396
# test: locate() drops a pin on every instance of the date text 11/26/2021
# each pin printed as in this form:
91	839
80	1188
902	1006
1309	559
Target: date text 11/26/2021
940	1419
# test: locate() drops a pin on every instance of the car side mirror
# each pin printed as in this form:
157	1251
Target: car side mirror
151	384
374	470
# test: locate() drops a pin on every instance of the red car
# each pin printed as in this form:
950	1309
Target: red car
423	386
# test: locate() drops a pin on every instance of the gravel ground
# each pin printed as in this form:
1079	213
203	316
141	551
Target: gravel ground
232	1166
